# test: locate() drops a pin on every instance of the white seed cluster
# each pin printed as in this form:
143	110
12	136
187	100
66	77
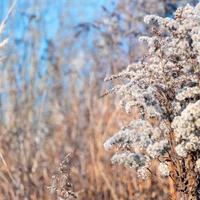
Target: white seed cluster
158	148
130	159
137	161
165	87
164	169
198	166
181	150
188	92
187	128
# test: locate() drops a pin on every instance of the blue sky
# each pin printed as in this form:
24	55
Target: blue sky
46	16
77	10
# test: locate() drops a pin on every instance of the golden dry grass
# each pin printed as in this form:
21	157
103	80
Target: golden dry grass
28	158
26	170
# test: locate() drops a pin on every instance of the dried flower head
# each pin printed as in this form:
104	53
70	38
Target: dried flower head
164	169
164	86
61	182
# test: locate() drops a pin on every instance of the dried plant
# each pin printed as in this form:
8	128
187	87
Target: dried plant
165	88
61	181
49	101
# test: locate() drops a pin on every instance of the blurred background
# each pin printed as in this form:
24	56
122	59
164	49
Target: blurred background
52	73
